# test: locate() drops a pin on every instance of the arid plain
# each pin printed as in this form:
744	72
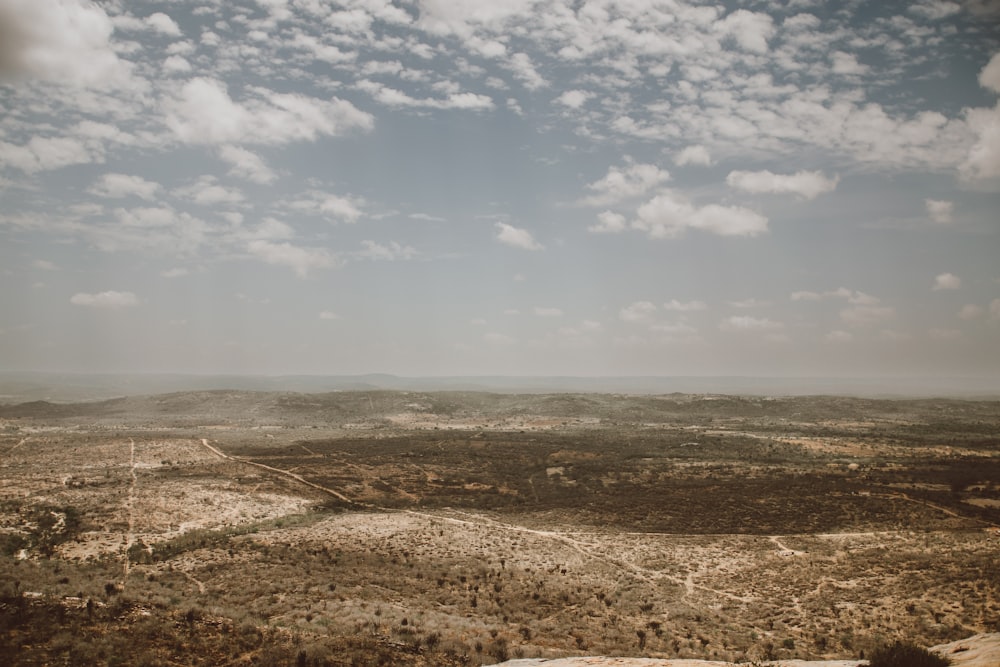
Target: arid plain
465	528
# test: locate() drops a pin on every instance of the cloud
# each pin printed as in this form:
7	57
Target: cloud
995	310
499	339
327	315
390	253
750	30
117	186
202	112
620	184
989	76
748	323
970	311
749	303
517	237
48	153
110	299
944	334
547	312
940	211
855	297
175	272
44	265
396	98
333	207
806	184
935	10
574	99
301	260
206	191
64	41
839	336
667	215
163	24
638	311
947	281
608	222
247	165
696	155
683	307
983	159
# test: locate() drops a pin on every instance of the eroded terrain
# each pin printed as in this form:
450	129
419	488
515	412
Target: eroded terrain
469	528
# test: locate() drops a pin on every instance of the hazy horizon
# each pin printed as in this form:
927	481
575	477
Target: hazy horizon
529	188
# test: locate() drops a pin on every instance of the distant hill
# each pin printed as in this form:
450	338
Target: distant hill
20	387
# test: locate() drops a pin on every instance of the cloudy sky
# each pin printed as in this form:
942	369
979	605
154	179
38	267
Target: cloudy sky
462	187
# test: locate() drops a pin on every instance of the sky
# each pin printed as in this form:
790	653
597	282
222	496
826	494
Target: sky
528	187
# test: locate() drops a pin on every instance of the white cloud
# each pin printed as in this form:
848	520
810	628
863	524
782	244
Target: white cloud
947	281
547	312
47	153
426	217
638	311
749	303
44	265
176	64
806	184
970	311
935	9
697	155
176	272
301	260
206	191
391	252
328	315
608	222
748	323
680	306
110	299
117	186
247	165
944	334
163	24
750	30
524	71
64	41
516	237
846	64
940	211
396	98
574	99
855	297
839	336
499	339
333	207
989	76
202	112
620	184
667	215
983	159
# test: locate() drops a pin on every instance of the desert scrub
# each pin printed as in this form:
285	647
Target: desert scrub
900	654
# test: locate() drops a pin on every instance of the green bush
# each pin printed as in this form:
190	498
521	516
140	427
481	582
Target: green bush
905	655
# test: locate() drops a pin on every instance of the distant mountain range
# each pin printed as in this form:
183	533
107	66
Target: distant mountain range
28	386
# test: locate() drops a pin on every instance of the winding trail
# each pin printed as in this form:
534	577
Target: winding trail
286	473
24	440
566	539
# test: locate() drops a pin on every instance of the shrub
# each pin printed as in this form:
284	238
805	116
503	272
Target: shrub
905	655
